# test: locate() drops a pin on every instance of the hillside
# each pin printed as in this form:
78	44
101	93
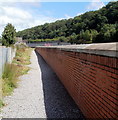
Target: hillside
94	26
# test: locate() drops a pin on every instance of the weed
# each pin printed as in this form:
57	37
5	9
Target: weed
1	103
22	56
16	69
10	78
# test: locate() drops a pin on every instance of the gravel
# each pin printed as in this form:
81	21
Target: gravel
58	103
27	100
40	95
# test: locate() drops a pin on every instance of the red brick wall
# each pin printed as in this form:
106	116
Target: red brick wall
91	80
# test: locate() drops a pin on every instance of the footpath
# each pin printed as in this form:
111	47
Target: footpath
27	100
40	94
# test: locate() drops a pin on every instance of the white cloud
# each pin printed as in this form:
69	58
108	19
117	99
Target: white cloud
20	17
95	5
79	14
7	1
23	18
16	12
67	16
41	19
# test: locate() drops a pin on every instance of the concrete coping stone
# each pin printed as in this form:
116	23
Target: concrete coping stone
104	49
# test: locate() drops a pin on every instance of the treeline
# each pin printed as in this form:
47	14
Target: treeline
94	26
44	40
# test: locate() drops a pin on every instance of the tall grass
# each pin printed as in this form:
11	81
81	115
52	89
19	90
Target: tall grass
10	78
16	69
1	104
22	56
12	71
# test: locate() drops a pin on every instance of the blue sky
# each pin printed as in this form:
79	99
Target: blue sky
34	12
64	9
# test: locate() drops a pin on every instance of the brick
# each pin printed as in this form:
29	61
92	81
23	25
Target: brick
91	80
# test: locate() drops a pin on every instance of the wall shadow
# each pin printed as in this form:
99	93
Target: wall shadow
58	103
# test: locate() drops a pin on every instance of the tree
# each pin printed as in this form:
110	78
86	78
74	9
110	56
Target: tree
94	34
92	26
85	36
8	35
107	33
73	38
62	39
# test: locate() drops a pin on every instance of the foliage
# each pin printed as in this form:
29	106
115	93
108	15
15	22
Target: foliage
92	26
107	33
87	36
10	79
16	69
73	38
8	35
62	39
58	39
22	56
1	104
42	40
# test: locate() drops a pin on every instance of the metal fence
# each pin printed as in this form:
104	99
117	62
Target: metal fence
47	44
6	56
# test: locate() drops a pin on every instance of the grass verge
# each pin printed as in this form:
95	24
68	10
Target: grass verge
12	71
22	55
9	78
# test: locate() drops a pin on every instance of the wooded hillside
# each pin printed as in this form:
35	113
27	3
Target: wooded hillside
94	26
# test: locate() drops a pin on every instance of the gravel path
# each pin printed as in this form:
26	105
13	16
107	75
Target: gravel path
27	100
58	103
40	95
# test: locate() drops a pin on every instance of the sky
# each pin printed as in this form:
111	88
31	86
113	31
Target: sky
30	13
